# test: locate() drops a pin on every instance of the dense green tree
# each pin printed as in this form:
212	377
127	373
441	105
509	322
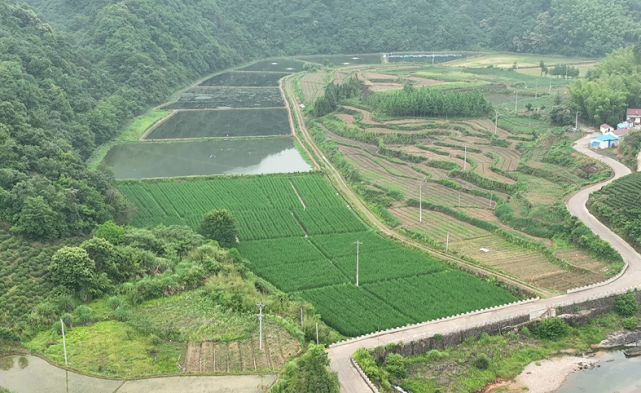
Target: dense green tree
312	374
219	225
626	305
38	221
111	232
72	268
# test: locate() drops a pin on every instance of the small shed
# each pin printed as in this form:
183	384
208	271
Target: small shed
604	141
606	128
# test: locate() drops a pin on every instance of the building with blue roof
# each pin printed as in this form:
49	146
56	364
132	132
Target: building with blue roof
604	141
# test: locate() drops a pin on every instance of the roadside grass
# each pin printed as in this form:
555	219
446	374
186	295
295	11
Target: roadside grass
110	348
453	369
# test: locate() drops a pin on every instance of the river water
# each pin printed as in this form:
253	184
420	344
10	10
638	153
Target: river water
30	374
616	374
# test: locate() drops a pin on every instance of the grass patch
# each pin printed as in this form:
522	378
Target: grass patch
110	349
140	124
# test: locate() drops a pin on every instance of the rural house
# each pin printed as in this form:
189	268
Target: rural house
604	141
620	133
605	128
633	116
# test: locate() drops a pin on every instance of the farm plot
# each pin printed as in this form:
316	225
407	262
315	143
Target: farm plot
463	295
541	190
223	123
437	225
312	85
240	78
236	97
321	267
510	258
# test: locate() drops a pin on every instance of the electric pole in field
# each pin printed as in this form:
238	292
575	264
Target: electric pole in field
465	158
447	242
516	101
576	122
358	244
420	202
64	343
536	90
260	324
496	120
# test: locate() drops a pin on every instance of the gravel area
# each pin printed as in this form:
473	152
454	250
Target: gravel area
551	373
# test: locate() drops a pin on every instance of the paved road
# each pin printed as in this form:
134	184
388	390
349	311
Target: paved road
339	355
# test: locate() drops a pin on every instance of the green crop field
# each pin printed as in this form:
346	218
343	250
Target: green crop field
299	235
232	97
239	78
222	123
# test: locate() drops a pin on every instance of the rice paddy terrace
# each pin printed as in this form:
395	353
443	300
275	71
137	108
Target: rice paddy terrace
299	233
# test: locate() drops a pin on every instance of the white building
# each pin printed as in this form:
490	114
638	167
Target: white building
605	141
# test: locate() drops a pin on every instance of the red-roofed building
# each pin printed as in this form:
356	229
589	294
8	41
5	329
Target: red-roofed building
634	116
621	132
606	128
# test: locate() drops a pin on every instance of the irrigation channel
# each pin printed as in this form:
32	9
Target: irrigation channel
351	380
30	374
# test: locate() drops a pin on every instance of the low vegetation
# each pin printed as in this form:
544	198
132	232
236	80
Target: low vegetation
479	360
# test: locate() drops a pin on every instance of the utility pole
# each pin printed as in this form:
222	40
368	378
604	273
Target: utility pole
260	324
465	158
301	315
496	120
576	122
516	101
316	333
64	343
420	202
447	242
536	90
358	243
566	72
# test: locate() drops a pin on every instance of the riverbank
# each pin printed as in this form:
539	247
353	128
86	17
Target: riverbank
548	375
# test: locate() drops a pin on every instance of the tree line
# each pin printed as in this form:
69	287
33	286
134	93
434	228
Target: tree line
424	101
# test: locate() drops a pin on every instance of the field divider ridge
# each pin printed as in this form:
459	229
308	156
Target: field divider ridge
300	198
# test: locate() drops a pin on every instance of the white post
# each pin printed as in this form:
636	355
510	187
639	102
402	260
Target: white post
465	159
447	242
358	243
260	325
420	202
64	343
316	333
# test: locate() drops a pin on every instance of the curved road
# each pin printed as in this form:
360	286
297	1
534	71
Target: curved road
340	354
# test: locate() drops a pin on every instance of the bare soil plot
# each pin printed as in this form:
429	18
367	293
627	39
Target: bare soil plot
437	225
376	75
339	77
243	355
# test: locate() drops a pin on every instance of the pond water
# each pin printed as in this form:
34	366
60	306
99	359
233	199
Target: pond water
223	123
278	65
616	375
342	60
29	374
245	78
238	157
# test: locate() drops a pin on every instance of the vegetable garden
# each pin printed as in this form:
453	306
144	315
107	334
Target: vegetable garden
299	235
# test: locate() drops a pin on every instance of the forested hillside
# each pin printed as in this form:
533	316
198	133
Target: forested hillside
255	28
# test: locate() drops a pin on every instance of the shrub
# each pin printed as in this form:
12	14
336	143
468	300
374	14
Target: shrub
525	331
551	329
626	305
482	362
84	315
114	302
122	314
629	323
396	366
8	334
